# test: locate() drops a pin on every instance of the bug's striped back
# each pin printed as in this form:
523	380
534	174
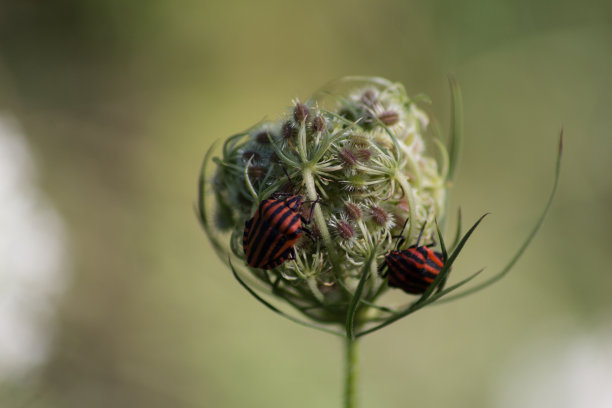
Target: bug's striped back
413	269
270	235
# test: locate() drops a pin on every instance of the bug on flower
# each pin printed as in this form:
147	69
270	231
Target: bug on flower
270	235
412	269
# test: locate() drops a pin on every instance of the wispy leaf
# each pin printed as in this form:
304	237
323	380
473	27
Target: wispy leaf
277	310
527	240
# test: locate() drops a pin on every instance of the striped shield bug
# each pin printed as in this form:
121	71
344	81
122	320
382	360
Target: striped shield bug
412	269
276	226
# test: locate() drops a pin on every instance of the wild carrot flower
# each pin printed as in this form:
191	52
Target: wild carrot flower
325	193
358	155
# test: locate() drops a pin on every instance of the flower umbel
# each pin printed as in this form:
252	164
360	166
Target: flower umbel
358	161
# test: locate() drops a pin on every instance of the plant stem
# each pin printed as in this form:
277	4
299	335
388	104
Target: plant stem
350	373
318	216
411	204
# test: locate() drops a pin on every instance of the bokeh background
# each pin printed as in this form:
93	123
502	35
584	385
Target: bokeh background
110	294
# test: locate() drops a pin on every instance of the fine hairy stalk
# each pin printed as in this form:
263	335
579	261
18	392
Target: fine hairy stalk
320	213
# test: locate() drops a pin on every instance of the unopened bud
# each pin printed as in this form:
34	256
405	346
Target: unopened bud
353	210
389	117
318	124
300	112
345	230
379	216
347	157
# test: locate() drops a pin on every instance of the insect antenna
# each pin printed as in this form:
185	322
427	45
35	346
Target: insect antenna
291	186
421	234
312	205
401	239
291	181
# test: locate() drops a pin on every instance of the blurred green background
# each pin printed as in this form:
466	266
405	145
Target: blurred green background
118	102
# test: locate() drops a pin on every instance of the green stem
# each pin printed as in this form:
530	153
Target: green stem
319	219
411	204
350	373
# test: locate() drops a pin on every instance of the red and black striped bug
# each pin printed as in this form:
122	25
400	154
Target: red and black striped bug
412	269
276	226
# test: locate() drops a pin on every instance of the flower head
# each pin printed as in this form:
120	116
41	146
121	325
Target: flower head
322	196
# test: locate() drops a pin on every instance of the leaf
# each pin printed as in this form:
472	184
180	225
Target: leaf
350	314
448	263
282	156
201	212
443	274
444	256
456	127
416	306
278	311
458	231
424	300
527	241
451	288
442	245
229	144
443	158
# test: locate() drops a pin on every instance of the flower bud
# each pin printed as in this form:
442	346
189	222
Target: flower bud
380	217
263	137
345	230
347	157
289	131
389	117
353	210
256	173
369	97
318	124
363	154
300	112
251	155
